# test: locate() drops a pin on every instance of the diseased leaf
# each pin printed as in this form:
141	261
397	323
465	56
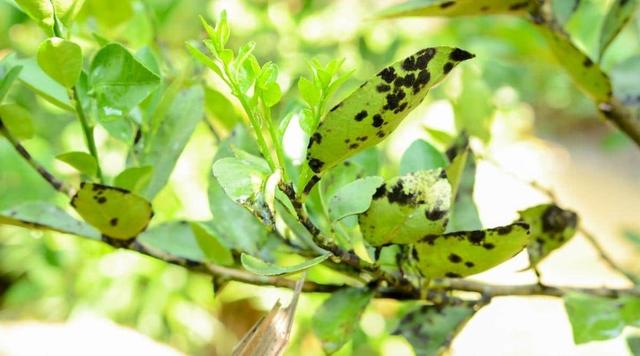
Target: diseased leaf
82	161
463	253
17	120
431	328
464	213
593	318
407	208
212	248
421	156
258	266
119	80
551	227
374	110
134	179
336	319
45	216
61	60
585	73
117	213
7	79
353	198
457	8
619	14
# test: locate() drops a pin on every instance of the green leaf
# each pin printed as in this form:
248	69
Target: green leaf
337	318
457	154
82	161
585	73
430	329
220	110
463	253
421	156
45	216
407	208
214	250
35	79
61	60
7	80
634	345
17	120
464	214
374	110
41	11
134	179
563	10
164	147
110	14
271	94
457	8
593	318
625	77
551	227
117	213
260	267
473	112
619	14
242	181
175	238
353	198
630	311
309	91
119	80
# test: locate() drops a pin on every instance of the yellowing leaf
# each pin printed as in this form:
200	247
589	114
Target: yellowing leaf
407	208
463	253
457	8
374	110
117	213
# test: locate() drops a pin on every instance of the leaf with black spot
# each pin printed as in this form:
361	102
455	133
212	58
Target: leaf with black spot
116	213
430	329
452	8
551	227
406	208
372	112
463	253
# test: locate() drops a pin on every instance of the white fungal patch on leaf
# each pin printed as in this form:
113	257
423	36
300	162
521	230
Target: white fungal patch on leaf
373	111
463	253
406	208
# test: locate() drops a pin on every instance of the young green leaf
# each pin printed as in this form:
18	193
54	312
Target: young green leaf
457	8
258	266
41	11
211	246
17	120
464	213
421	156
551	227
619	14
134	179
374	110
82	161
353	198
61	60
117	213
463	253
337	318
7	79
407	208
431	328
593	318
220	110
587	75
119	80
44	216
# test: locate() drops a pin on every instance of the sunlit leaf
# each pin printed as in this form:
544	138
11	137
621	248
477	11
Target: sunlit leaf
353	198
407	208
81	161
174	238
463	253
373	111
134	179
220	110
619	14
593	318
336	319
17	120
117	213
258	266
45	216
421	156
61	60
457	8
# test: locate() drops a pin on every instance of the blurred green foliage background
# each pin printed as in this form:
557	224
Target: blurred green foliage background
514	82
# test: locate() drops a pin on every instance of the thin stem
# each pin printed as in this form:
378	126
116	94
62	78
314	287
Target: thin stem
87	129
44	173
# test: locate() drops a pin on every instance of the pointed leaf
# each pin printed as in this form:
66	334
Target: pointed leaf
61	60
117	213
421	156
82	161
45	216
258	266
619	14
353	198
134	179
593	318
457	8
8	78
463	253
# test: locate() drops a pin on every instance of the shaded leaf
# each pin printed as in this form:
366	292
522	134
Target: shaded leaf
463	253
45	216
593	318
619	14
337	318
61	60
7	79
353	198
212	248
17	120
258	266
82	161
464	214
634	345
221	110
175	238
117	213
457	154
457	8
373	111
625	78
407	208
563	10
421	156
